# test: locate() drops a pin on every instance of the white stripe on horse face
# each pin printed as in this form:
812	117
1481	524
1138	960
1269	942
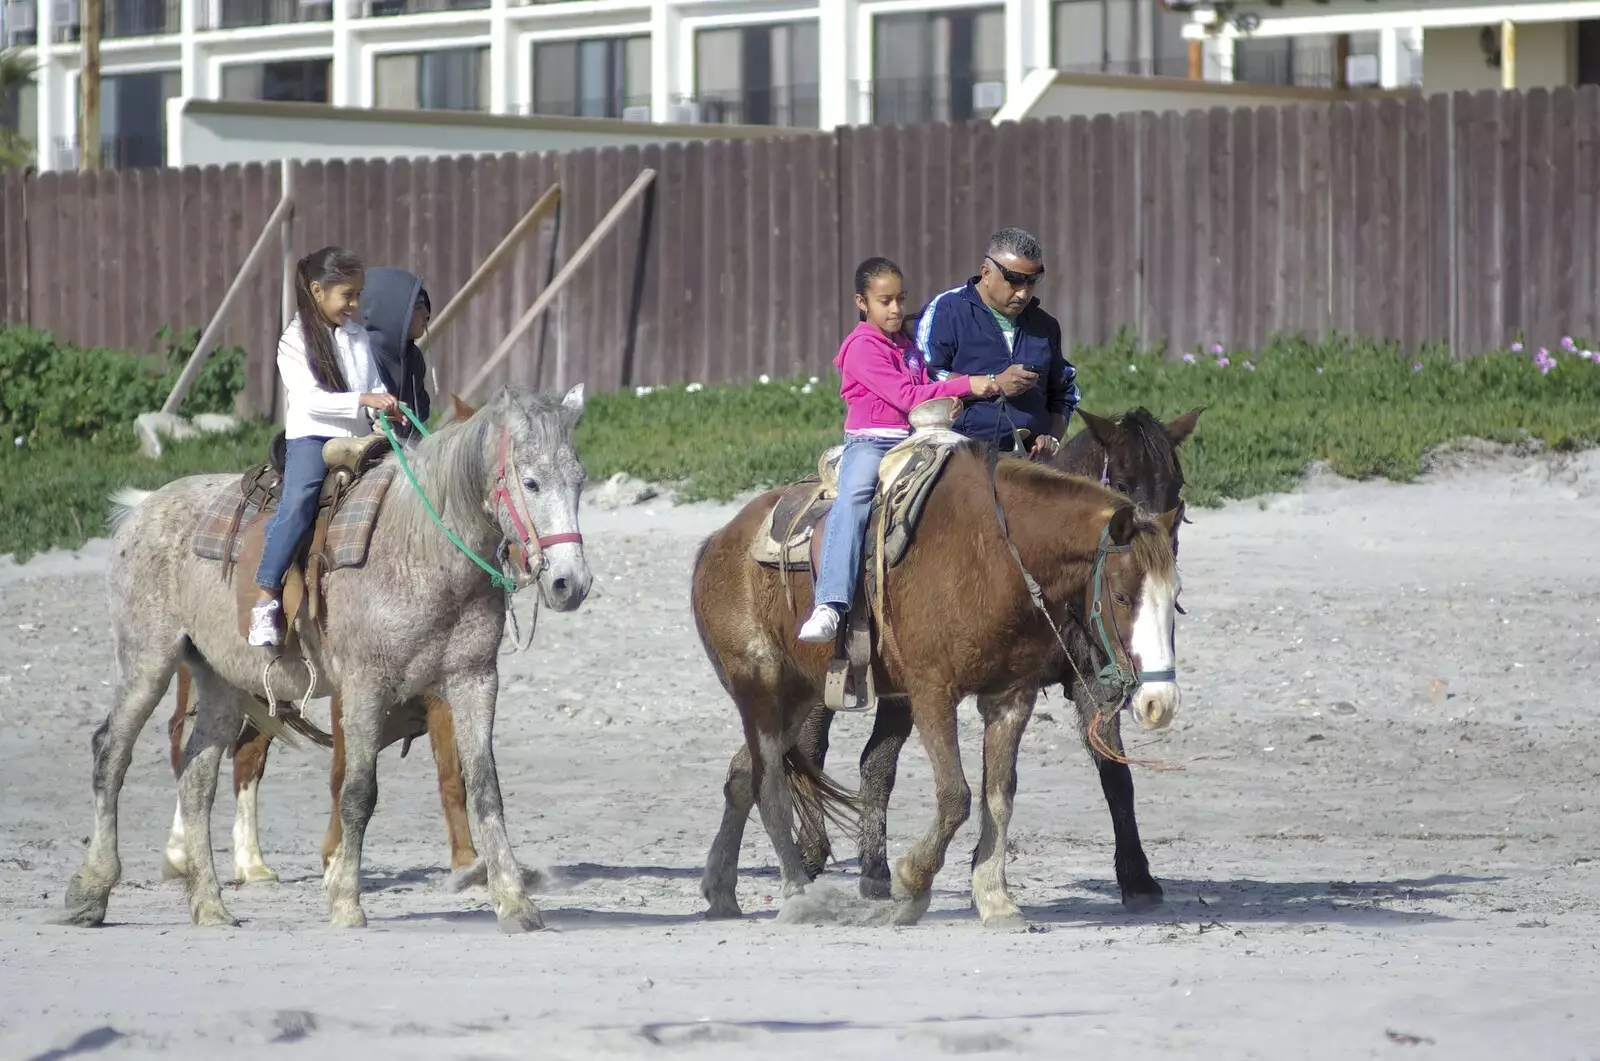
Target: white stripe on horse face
1155	703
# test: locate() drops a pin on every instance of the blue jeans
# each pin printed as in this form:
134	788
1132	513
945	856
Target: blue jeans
846	529
303	472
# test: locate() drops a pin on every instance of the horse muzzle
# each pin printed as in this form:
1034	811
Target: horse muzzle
564	583
1155	704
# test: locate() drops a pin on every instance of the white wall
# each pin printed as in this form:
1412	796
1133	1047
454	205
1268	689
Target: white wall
211	133
1073	95
1453	59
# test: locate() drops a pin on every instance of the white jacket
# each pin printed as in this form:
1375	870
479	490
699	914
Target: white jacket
310	411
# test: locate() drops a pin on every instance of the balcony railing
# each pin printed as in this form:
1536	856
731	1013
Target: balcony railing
119	19
1160	66
239	14
634	108
116	152
391	8
794	106
956	98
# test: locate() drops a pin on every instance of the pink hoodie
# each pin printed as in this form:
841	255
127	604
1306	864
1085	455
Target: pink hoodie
880	384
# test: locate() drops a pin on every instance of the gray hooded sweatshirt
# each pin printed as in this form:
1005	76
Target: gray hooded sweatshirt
387	301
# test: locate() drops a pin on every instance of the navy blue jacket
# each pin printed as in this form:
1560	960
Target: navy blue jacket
387	302
958	336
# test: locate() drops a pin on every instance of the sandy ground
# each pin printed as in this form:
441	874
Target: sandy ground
1354	868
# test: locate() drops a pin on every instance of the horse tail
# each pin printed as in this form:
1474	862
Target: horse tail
818	797
123	502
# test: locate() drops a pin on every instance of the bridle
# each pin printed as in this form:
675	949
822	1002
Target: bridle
533	544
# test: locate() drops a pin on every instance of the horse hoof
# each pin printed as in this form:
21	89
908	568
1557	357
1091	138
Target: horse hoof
466	877
1143	901
522	918
1006	921
349	917
723	909
212	915
256	875
875	888
83	908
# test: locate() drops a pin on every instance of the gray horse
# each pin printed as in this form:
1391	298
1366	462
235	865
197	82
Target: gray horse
418	617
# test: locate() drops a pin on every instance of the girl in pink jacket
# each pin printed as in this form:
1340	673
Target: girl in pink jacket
881	380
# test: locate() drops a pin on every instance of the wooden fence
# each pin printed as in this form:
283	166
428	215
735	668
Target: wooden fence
1463	219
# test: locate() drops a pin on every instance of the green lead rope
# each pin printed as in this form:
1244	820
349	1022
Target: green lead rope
497	577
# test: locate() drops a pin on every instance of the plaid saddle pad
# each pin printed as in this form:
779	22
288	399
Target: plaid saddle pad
348	535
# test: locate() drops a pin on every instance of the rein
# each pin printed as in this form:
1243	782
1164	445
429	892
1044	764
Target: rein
533	544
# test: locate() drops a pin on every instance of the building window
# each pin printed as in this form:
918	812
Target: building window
234	14
133	118
291	81
1306	60
938	66
603	77
1138	37
451	79
758	75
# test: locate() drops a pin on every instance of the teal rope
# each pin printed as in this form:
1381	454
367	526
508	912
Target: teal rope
497	577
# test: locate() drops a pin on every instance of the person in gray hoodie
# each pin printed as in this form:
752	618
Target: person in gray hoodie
397	310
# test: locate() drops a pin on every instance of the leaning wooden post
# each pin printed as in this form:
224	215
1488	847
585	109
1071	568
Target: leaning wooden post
492	264
540	304
290	258
89	88
1508	55
213	332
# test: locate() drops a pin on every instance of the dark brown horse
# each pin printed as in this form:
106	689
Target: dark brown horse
1136	455
1090	552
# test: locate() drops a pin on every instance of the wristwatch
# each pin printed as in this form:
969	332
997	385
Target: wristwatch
994	382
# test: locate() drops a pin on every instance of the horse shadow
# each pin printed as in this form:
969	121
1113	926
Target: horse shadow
1243	900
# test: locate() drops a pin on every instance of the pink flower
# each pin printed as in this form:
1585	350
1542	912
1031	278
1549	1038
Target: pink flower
1516	348
1222	362
1188	358
1216	348
1567	344
1416	366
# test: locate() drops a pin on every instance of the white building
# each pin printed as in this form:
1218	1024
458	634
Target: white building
817	63
1443	45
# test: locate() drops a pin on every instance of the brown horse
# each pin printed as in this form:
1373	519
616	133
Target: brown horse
1136	455
250	764
959	619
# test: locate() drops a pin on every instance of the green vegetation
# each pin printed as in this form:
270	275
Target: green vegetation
1366	409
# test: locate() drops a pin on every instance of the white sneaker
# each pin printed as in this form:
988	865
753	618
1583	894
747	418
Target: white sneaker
822	627
264	623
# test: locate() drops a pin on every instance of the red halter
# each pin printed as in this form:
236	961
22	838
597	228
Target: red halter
533	545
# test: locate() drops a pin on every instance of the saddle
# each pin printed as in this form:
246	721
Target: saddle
257	496
790	538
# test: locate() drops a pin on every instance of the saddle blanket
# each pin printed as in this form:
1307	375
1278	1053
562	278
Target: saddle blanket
349	533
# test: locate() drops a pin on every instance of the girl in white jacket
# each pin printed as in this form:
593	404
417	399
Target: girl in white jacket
332	389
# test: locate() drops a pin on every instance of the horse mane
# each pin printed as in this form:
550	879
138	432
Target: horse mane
451	466
1151	545
1150	436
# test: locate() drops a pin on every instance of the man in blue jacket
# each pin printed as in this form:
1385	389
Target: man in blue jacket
994	321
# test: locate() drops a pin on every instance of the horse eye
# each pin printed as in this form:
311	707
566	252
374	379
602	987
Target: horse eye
1121	598
532	484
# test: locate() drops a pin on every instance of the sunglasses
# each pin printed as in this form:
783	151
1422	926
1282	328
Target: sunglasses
1016	279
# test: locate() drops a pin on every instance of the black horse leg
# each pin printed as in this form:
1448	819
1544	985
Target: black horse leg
879	761
815	850
1140	891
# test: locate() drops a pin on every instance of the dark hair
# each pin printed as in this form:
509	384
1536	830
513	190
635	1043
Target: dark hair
326	267
870	270
427	303
1016	241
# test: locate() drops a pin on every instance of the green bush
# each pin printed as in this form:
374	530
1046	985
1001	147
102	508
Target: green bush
51	391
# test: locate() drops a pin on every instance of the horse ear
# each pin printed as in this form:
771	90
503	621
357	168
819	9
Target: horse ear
573	402
460	410
1168	520
1182	426
1124	521
1103	430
